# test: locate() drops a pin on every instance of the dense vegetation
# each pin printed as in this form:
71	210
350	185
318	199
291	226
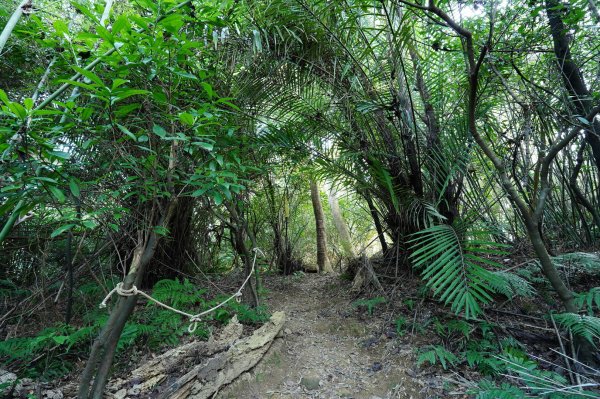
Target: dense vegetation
155	143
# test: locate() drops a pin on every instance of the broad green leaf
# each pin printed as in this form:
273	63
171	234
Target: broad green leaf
61	230
4	97
204	145
218	198
58	194
186	118
90	224
60	154
159	131
74	187
122	94
90	75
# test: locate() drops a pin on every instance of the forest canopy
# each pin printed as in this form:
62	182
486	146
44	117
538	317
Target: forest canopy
147	145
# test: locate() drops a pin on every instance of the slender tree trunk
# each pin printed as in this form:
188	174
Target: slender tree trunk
69	282
12	22
322	258
579	197
376	222
94	376
340	224
239	230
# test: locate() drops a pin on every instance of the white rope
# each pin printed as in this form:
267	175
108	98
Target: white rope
194	318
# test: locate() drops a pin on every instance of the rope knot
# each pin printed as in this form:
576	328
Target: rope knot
120	291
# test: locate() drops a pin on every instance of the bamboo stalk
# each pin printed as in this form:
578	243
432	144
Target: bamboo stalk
12	22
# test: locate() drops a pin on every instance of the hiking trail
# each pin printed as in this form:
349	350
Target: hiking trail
328	349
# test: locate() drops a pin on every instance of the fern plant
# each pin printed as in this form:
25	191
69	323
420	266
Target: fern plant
512	285
369	304
531	381
588	300
584	326
488	389
453	260
433	354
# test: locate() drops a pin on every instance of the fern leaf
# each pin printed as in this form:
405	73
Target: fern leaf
584	326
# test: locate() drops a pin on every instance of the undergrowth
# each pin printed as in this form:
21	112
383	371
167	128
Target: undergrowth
54	351
508	370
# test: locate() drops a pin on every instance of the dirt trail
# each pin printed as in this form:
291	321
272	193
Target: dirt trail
327	350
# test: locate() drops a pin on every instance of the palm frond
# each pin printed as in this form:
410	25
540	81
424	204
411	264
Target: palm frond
453	260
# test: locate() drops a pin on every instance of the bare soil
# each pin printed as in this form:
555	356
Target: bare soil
328	349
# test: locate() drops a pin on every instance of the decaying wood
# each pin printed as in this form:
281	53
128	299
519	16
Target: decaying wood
206	379
211	364
365	276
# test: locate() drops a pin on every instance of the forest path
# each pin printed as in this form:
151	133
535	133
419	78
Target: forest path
327	350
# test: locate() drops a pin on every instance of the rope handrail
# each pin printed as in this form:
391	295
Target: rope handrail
194	318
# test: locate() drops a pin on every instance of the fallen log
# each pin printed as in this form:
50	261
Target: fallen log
206	366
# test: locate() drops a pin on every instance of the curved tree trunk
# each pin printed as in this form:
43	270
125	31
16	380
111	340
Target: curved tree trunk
572	76
322	258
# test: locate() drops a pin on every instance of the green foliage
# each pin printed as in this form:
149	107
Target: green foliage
410	303
369	304
8	289
453	259
433	354
488	389
450	328
401	324
584	326
52	352
512	285
582	261
567	263
37	355
588	300
532	382
178	294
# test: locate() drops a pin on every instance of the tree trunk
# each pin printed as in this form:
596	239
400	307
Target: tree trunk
323	263
102	354
173	253
376	222
239	229
572	76
340	224
95	374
